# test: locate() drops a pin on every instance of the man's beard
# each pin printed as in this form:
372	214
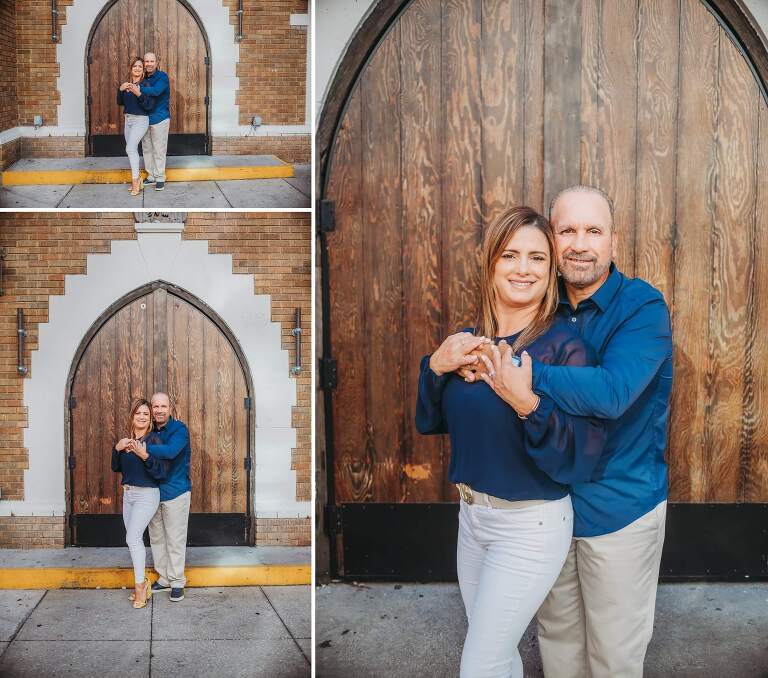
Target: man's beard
582	276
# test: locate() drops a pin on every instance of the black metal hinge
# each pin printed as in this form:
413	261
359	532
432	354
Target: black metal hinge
328	374
72	402
334	523
327	217
247	403
90	99
71	461
207	61
206	101
247	463
90	59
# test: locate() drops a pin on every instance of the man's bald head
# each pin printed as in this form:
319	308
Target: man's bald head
581	188
161	408
150	62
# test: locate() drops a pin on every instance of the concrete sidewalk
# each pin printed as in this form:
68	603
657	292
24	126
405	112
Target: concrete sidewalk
371	630
222	632
291	193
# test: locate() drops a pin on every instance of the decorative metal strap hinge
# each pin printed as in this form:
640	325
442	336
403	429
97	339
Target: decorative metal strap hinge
328	374
327	216
334	522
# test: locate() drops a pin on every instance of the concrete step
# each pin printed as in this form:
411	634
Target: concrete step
58	171
110	568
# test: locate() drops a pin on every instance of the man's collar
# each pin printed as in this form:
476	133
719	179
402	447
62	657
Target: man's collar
160	428
604	294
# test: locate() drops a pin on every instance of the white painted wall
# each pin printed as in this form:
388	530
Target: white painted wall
129	265
336	21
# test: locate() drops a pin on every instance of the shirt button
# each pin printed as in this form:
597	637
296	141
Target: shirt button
573	319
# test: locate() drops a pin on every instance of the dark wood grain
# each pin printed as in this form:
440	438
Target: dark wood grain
502	79
591	166
383	265
756	486
664	112
422	305
131	28
732	267
533	107
353	462
659	28
695	183
207	386
562	98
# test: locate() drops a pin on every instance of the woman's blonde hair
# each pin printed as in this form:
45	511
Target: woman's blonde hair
495	240
135	405
130	68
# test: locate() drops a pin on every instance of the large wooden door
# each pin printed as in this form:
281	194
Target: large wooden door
470	106
131	28
160	342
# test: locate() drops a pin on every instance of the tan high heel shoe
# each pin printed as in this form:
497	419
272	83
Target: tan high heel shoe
138	604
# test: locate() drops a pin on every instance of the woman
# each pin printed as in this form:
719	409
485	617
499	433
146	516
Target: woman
512	466
137	107
141	495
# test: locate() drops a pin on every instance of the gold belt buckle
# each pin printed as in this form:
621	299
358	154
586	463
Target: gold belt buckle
465	492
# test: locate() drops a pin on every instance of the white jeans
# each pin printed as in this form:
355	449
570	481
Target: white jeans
139	505
507	561
136	127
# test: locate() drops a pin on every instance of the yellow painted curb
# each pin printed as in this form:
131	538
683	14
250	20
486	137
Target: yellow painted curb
122	577
123	176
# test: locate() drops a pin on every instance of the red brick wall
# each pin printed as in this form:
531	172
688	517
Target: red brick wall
37	69
43	247
9	111
273	61
295	148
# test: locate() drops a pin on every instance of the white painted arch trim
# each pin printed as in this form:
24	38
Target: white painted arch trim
130	265
225	53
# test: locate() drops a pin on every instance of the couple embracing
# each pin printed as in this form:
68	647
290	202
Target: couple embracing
556	404
145	98
153	459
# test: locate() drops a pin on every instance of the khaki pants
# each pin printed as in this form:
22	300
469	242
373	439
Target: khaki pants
155	147
597	620
168	539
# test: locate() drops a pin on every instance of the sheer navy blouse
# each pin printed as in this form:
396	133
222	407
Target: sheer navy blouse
149	473
492	449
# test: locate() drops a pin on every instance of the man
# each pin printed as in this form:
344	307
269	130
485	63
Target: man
598	619
155	141
168	527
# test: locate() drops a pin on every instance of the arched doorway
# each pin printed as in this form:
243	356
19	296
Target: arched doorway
160	338
126	28
460	108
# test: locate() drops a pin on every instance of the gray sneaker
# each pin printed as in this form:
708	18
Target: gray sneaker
177	595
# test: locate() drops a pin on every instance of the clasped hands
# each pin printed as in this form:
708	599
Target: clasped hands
131	445
511	383
131	87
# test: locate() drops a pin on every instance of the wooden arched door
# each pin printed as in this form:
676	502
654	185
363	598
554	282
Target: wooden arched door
128	28
466	107
157	340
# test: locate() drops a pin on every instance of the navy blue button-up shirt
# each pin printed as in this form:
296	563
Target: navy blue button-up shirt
173	445
158	86
626	321
492	449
